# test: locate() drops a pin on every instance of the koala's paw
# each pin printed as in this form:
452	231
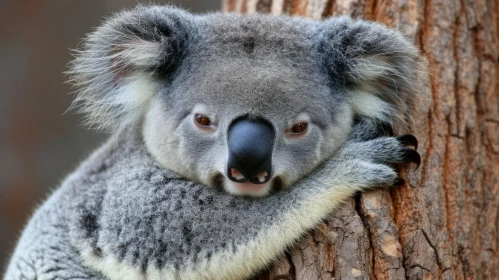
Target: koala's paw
389	150
375	158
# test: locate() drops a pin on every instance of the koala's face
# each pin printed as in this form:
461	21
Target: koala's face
246	104
247	125
245	114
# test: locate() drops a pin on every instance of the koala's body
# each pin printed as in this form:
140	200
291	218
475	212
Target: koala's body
233	136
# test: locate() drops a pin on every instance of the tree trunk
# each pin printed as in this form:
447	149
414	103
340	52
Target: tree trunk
443	223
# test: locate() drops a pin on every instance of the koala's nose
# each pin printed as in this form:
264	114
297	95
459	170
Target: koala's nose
250	143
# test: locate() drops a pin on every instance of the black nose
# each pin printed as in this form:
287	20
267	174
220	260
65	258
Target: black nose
251	143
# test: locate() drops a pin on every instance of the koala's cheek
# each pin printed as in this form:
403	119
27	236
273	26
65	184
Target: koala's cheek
296	161
159	139
211	162
286	168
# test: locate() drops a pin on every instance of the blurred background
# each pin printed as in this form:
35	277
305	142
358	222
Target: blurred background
39	144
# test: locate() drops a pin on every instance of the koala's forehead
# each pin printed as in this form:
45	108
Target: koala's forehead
257	34
245	85
260	65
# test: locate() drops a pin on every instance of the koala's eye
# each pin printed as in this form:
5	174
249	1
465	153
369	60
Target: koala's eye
202	120
299	128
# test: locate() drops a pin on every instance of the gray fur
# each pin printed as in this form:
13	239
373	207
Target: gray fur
148	205
121	203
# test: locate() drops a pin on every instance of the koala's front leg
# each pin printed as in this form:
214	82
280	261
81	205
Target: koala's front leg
356	166
367	164
371	145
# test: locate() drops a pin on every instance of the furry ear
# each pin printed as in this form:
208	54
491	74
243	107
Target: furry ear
116	69
377	66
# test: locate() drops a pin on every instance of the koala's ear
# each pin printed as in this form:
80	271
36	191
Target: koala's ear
377	66
116	70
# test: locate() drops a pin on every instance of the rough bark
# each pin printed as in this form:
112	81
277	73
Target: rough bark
443	223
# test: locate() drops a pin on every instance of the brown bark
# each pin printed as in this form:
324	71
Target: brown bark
443	223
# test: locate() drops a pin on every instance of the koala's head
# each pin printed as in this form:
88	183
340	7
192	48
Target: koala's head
246	103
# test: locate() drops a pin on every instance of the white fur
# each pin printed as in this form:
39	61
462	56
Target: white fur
369	105
139	53
125	104
232	188
136	95
372	68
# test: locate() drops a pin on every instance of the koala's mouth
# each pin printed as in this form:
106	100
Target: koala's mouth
238	177
247	188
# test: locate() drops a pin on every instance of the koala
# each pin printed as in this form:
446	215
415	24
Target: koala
232	136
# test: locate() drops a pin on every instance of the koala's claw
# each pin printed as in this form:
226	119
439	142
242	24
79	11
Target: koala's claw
410	155
408	139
